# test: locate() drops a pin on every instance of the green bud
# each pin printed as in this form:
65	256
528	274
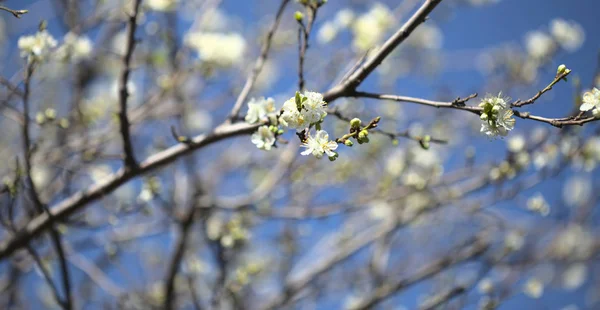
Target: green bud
348	143
363	134
355	122
50	114
424	144
280	131
427	138
332	158
40	118
561	69
395	142
298	16
496	109
298	99
483	116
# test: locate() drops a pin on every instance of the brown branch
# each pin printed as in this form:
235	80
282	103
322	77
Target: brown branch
258	66
15	13
532	100
130	162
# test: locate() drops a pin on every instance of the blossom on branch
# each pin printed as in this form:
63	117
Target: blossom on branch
259	108
263	138
37	47
591	100
303	110
319	145
496	116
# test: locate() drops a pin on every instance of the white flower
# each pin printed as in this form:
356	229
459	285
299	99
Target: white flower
312	111
485	286
314	107
259	108
223	49
75	47
539	45
574	276
291	117
591	100
516	143
370	27
577	191
569	35
344	18
534	288
319	145
36	47
537	203
162	5
496	116
263	138
327	33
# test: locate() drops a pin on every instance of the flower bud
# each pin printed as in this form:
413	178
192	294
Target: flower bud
363	134
484	116
355	123
348	143
561	69
298	16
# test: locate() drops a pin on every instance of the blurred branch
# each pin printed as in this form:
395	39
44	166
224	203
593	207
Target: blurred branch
15	13
78	200
260	62
349	85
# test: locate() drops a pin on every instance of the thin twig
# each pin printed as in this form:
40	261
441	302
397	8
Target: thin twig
532	100
130	162
15	13
258	66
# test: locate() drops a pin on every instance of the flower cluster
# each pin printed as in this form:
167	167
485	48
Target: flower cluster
496	116
162	5
75	47
301	112
37	47
591	101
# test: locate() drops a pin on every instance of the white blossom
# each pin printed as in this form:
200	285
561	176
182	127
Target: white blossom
568	34
312	110
516	143
344	18
36	47
162	5
496	117
223	49
319	145
259	108
591	100
327	32
574	276
370	27
263	138
75	47
537	203
539	45
534	288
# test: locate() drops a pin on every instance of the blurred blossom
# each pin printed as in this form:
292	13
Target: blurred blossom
538	204
213	19
75	47
119	43
485	286
516	143
161	5
40	176
267	76
568	34
577	191
370	27
574	276
426	36
263	138
37	47
590	154
380	210
344	18
99	172
395	162
327	32
545	157
573	242
533	288
115	89
539	45
514	240
259	108
223	49
199	119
